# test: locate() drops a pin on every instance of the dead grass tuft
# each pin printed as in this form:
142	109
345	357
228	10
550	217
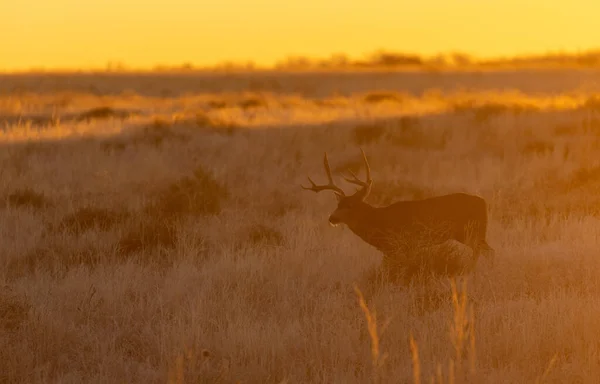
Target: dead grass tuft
592	104
200	194
146	234
252	102
582	177
217	104
55	258
538	147
156	133
103	113
88	218
14	310
484	112
368	133
27	198
567	129
409	133
214	125
380	97
261	235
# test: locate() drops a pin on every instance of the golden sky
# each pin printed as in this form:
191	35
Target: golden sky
144	33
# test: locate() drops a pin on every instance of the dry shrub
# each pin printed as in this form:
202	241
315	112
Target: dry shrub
156	133
581	178
102	113
86	218
14	310
200	194
147	233
55	259
31	120
217	104
153	134
252	102
405	132
538	147
368	133
592	104
410	134
214	125
204	121
484	112
27	198
382	96
567	129
261	235
329	103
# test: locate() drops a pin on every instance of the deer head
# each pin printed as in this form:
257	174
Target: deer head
349	207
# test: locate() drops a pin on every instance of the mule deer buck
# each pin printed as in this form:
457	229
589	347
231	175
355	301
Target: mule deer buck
397	230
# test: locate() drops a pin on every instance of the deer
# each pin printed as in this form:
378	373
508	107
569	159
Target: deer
398	229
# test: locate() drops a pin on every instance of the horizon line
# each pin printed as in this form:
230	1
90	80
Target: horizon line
474	60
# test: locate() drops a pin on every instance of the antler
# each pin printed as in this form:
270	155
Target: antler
365	184
331	186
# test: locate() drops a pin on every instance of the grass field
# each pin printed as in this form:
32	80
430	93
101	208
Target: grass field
153	228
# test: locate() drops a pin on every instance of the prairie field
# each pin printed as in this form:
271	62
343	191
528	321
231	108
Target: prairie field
153	228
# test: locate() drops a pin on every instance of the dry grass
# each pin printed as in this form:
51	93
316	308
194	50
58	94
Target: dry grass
160	246
27	198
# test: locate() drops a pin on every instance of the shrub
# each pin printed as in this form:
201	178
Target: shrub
215	125
197	195
148	233
409	134
27	198
102	113
538	147
53	258
156	133
217	104
14	310
153	134
252	102
368	133
379	97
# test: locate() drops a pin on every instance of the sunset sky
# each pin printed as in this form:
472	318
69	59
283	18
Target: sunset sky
142	34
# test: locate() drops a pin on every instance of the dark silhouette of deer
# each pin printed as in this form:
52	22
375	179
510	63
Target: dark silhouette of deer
400	229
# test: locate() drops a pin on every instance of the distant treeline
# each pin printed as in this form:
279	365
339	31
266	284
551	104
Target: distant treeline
384	60
399	60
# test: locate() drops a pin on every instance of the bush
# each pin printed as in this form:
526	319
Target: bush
379	97
252	102
103	113
197	195
368	133
27	198
148	233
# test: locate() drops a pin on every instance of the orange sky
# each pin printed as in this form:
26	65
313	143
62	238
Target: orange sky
142	34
